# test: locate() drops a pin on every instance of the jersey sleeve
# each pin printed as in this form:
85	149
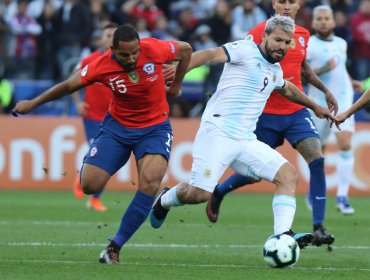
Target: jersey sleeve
256	33
88	73
235	51
167	50
280	82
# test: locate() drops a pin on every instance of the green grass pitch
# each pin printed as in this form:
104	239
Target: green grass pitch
50	235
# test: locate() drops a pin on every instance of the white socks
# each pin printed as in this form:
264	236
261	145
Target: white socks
345	166
283	207
169	199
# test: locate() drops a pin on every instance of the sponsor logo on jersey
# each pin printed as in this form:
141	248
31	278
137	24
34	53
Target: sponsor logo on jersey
133	77
113	79
149	68
234	45
84	71
93	151
301	41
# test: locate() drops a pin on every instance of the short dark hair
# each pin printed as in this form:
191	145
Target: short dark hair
110	25
125	33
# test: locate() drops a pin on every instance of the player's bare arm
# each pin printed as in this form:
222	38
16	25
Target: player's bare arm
309	75
183	56
291	92
208	56
362	102
56	92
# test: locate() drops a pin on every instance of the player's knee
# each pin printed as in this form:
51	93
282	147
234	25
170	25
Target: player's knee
90	186
286	179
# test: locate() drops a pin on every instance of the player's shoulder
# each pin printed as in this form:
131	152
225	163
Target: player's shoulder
339	40
302	31
92	56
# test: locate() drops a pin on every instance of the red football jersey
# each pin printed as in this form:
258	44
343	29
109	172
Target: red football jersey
291	65
97	96
139	97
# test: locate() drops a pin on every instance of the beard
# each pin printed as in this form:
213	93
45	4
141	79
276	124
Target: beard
270	52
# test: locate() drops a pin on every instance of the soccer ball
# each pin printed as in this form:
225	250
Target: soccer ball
281	251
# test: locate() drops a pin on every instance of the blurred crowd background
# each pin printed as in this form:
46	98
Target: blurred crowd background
41	41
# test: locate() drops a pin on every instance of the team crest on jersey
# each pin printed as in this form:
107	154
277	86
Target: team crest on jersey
93	151
293	44
149	68
207	173
301	41
133	77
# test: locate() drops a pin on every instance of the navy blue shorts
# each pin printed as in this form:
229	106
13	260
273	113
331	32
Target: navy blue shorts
91	129
273	129
114	143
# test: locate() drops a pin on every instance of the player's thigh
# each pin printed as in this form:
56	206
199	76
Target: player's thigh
301	126
93	178
156	139
258	160
270	130
213	152
108	153
91	129
322	127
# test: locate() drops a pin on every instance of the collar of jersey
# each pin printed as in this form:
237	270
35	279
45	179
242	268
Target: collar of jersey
264	56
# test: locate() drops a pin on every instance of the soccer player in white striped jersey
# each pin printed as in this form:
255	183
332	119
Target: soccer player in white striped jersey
326	54
226	135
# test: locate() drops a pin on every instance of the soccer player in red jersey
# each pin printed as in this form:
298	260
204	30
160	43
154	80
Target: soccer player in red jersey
283	119
93	109
137	120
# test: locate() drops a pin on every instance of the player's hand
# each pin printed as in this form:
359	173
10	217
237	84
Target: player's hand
357	86
23	107
169	71
324	113
332	102
173	90
82	108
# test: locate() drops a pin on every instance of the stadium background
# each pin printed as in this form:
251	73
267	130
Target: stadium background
44	150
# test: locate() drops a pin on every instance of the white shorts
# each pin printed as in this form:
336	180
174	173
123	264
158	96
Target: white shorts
214	151
324	130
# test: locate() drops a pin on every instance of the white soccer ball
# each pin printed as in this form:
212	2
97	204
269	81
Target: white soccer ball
281	251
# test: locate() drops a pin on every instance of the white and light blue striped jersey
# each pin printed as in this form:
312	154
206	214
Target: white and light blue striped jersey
337	80
244	87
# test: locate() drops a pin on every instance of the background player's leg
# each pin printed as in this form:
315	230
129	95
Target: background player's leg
345	165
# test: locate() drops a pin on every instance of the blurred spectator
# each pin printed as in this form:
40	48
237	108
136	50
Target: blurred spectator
199	8
46	62
245	17
184	26
74	27
8	9
100	15
161	30
146	9
141	26
203	38
220	23
360	27
24	29
303	17
266	5
342	28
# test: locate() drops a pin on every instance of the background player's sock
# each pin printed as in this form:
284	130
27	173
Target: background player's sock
233	182
317	190
345	166
283	207
136	213
98	194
